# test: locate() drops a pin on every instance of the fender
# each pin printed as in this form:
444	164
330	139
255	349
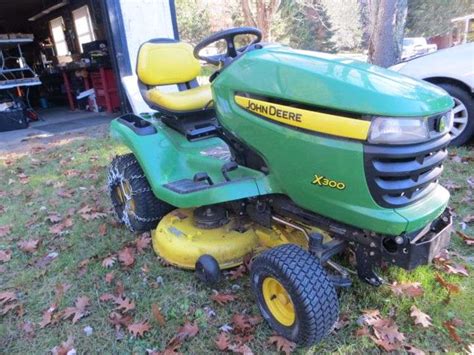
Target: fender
170	163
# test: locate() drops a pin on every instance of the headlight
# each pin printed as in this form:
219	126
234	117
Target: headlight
407	130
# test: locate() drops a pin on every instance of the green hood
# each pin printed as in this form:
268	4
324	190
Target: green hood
330	81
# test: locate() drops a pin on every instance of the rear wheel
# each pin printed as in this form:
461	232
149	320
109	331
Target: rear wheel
463	110
134	203
294	294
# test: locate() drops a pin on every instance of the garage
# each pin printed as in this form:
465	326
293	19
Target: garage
61	62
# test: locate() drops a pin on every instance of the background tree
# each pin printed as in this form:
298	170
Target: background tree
260	14
193	20
431	18
387	22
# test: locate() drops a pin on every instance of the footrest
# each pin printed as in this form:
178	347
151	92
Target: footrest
186	186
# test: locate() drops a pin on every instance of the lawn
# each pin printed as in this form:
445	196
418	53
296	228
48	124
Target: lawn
56	230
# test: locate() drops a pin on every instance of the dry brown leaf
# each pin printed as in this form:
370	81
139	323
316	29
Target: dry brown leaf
160	319
65	193
468	219
245	324
48	316
54	217
109	261
222	341
450	185
29	329
119	320
7	296
420	318
451	328
411	289
222	298
29	246
452	288
5	255
5	230
139	329
65	348
9	307
124	304
103	230
342	322
59	290
237	273
126	256
60	227
369	317
109	277
79	309
188	330
364	331
282	344
456	269
467	239
143	242
241	348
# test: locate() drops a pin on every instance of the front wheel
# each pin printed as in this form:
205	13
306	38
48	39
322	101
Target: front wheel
463	111
134	203
294	294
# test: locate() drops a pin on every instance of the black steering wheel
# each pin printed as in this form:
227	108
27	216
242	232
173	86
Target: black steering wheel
228	36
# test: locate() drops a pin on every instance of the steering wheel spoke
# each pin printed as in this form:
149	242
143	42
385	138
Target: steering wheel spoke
229	36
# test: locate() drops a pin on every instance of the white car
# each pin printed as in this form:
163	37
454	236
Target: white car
453	70
416	46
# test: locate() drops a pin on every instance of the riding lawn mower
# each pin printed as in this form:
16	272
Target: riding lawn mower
294	157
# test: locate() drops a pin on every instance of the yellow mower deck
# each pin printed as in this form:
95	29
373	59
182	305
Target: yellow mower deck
178	241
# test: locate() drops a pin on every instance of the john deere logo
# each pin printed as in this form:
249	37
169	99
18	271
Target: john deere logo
323	181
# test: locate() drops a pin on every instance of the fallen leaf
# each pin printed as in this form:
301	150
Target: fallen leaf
5	230
411	289
59	290
138	329
420	318
124	304
109	277
29	329
109	261
237	273
245	324
452	288
369	317
469	218
66	348
60	227
411	350
107	297
451	328
5	255
450	185
188	330
143	242
342	322
79	309
7	296
65	193
28	246
103	230
241	349
54	217
9	307
222	298
48	316
46	260
282	344
467	239
126	256
456	269
222	341
157	315
119	320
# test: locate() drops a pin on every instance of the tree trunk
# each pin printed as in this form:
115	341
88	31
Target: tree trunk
387	23
263	17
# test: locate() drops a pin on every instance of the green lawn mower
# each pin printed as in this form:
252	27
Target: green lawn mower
291	156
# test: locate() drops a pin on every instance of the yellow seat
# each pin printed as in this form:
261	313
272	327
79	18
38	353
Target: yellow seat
187	100
165	62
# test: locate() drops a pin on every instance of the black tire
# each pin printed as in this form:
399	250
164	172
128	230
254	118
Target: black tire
314	298
468	102
143	210
208	270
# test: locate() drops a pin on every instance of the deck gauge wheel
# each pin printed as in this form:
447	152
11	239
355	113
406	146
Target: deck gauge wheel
208	270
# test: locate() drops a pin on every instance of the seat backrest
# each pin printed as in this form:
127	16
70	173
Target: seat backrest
163	62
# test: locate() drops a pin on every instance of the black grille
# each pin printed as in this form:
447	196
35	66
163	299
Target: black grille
400	175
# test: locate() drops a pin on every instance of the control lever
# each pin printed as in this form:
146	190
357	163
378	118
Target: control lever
198	177
230	166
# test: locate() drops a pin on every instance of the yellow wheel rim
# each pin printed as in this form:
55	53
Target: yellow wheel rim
124	193
278	301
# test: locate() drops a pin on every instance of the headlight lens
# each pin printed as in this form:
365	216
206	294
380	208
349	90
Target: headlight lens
391	130
406	130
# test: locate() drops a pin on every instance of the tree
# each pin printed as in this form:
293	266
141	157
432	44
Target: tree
193	20
387	22
260	14
431	18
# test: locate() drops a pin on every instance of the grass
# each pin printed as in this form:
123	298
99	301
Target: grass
80	165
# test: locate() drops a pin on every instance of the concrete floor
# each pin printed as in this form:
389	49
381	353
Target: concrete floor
54	121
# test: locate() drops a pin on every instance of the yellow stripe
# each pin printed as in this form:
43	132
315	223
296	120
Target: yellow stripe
310	120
